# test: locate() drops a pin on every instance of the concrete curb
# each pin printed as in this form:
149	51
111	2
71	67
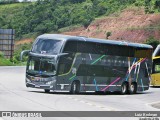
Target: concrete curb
156	105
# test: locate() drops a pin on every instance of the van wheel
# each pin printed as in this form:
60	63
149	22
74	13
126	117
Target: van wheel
133	88
46	90
75	87
124	88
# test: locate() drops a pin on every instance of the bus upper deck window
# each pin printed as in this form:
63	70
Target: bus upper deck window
47	46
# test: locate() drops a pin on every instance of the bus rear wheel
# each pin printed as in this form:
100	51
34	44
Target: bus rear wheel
124	88
133	88
46	90
75	87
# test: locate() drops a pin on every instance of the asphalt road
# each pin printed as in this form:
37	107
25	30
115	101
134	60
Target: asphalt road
14	96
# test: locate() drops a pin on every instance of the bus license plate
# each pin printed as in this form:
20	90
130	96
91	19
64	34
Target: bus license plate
37	79
37	86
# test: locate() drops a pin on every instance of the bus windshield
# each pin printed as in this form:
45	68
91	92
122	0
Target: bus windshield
41	66
47	46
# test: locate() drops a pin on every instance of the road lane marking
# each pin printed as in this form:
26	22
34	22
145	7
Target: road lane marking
89	104
93	104
75	99
70	97
82	101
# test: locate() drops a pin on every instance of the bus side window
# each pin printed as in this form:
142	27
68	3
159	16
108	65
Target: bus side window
157	68
65	63
61	69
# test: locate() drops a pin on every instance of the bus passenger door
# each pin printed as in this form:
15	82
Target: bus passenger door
155	79
156	73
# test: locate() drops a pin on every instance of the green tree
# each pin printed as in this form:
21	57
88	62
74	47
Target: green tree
108	34
77	1
41	28
152	41
157	5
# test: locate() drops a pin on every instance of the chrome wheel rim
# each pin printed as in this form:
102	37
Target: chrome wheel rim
132	87
74	87
124	88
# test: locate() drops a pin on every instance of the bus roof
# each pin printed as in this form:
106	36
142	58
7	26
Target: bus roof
82	38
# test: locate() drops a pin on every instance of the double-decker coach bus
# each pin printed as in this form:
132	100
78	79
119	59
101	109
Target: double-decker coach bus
80	64
155	81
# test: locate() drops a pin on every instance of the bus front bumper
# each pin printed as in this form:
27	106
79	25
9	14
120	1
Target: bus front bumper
50	84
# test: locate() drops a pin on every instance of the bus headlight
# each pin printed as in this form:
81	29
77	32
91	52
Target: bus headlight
49	83
28	80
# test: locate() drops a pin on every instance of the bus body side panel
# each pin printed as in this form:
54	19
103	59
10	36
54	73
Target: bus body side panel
142	74
105	73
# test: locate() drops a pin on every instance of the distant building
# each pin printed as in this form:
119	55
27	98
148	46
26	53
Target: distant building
7	37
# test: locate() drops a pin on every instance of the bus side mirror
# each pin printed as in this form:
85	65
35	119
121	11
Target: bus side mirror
61	54
24	52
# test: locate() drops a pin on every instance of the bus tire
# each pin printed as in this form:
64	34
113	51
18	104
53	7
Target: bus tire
46	90
75	87
124	88
133	88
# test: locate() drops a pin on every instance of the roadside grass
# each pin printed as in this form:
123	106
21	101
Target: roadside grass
21	64
5	62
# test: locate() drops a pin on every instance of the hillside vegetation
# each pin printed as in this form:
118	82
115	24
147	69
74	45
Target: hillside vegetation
51	15
133	20
131	24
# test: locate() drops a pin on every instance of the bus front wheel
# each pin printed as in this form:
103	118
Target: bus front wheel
133	88
46	90
75	87
124	88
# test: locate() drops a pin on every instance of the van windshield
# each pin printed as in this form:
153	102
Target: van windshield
47	46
